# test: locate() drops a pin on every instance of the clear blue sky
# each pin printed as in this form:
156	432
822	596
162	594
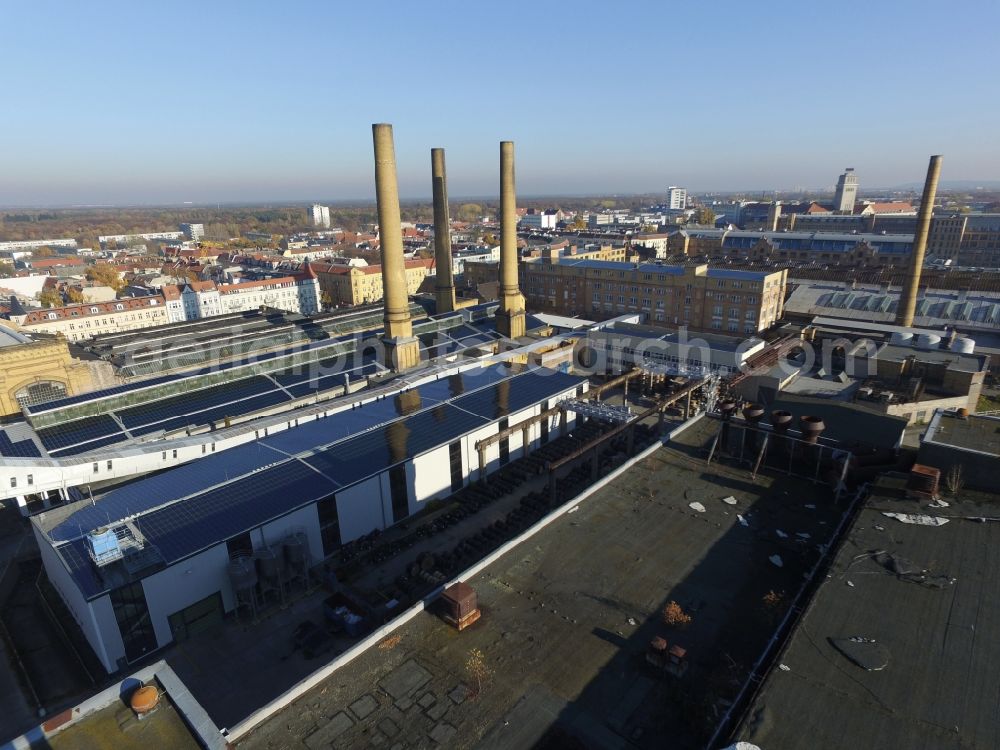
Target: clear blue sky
108	102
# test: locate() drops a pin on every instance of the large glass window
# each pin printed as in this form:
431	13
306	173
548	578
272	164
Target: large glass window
239	546
400	493
455	462
134	624
504	444
329	524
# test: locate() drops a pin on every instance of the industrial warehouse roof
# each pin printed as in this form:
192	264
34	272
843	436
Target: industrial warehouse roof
242	394
716	342
925	599
568	616
935	308
183	511
660	268
976	433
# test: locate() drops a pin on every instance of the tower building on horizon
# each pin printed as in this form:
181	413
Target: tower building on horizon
847	192
320	216
677	198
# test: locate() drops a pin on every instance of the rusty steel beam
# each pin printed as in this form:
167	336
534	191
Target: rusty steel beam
595	392
524	424
596	442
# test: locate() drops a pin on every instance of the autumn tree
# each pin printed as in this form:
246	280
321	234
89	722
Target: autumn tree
50	298
469	212
704	216
106	275
74	295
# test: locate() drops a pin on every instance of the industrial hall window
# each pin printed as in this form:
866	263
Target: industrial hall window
399	492
329	524
239	546
504	444
129	605
455	461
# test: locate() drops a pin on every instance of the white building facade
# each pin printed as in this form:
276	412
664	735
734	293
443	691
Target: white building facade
320	215
133	566
676	198
203	299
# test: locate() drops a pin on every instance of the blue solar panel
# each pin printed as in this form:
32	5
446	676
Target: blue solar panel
353	460
90	445
78	431
215	508
266	357
25	449
183	528
189	479
192	403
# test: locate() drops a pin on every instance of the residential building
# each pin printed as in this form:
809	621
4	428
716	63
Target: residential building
193	232
125	239
535	219
320	215
23	247
676	198
342	285
885	208
475	254
825	247
79	322
203	299
657	244
860	223
966	239
846	193
696	296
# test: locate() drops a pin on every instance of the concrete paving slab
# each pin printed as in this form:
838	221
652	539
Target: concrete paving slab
442	733
405	680
325	735
363	707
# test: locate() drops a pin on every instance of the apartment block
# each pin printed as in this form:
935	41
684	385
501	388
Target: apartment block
352	285
966	239
696	296
78	322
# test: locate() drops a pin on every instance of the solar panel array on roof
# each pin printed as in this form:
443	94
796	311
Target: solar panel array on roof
79	431
18	449
181	529
208	501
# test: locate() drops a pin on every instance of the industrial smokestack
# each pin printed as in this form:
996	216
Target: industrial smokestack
908	299
510	316
444	286
402	348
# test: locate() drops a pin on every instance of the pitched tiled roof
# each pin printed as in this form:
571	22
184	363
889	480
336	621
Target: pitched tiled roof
90	309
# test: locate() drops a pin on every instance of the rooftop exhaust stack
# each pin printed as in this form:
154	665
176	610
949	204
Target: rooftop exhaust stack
510	316
445	285
402	350
908	299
